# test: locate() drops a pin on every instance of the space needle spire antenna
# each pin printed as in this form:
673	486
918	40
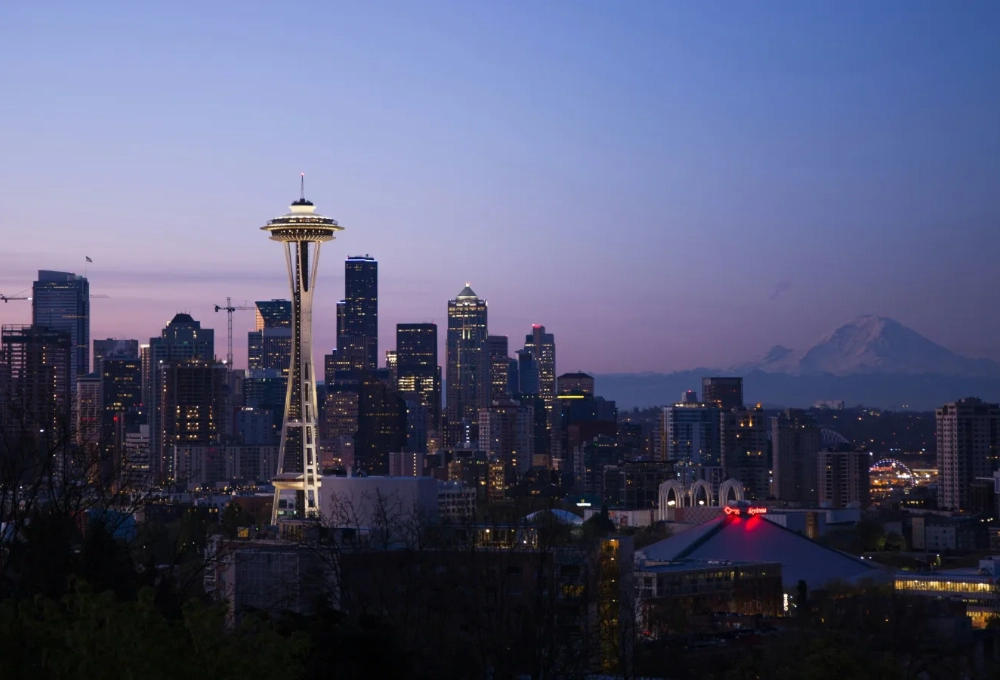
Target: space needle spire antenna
301	231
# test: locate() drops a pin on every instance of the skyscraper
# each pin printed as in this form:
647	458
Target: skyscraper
726	393
575	382
506	434
61	300
194	407
968	446
269	344
744	450
691	434
183	339
796	440
468	363
35	402
417	376
496	347
87	407
114	349
301	232
391	366
542	346
358	319
527	372
843	478
381	425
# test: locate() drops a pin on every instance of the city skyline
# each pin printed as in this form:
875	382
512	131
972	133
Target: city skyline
832	142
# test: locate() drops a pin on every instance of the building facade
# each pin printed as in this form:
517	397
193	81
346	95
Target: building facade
359	326
726	393
744	450
418	375
691	434
114	349
61	300
842	479
269	344
193	408
796	442
506	434
496	347
576	383
968	446
468	373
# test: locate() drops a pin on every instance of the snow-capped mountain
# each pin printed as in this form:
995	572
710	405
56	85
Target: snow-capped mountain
872	345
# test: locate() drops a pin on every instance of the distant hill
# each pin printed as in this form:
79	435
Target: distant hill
873	360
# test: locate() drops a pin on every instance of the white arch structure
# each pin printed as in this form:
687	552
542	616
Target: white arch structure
729	491
701	493
673	494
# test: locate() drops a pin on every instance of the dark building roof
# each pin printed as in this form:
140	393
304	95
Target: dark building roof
755	539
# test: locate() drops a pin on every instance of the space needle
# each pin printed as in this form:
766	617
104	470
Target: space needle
301	231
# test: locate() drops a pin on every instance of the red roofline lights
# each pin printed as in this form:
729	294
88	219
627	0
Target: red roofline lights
748	511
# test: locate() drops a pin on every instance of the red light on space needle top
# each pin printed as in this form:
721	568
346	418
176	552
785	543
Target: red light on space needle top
749	511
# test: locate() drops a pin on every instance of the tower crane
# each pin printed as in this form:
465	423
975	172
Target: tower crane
6	298
229	308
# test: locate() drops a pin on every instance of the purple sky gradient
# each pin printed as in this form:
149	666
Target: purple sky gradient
662	184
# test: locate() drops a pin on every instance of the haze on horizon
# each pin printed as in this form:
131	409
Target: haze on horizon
676	185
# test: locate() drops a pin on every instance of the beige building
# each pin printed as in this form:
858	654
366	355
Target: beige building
842	478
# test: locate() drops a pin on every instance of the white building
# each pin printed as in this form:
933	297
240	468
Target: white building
377	503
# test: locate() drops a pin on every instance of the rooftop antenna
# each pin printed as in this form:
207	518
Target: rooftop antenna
302	187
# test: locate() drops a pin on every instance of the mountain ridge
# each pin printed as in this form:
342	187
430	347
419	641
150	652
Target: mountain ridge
871	344
872	360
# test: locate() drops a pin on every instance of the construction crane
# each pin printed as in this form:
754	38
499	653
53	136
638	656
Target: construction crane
229	309
8	298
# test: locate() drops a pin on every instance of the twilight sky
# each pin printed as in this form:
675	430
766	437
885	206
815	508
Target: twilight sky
662	184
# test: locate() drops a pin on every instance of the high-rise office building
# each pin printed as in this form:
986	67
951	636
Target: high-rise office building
418	375
146	360
726	393
61	300
796	441
575	382
513	383
381	425
968	446
468	363
358	317
843	479
269	344
506	434
194	407
745	450
391	365
87	407
496	347
527	372
114	349
121	387
301	232
36	399
542	346
183	339
691	434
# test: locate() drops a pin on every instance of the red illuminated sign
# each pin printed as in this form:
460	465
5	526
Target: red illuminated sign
753	510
